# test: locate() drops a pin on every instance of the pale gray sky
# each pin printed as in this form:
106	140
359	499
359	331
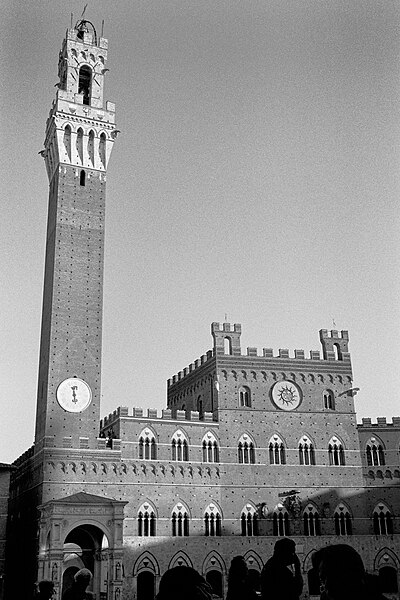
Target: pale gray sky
257	174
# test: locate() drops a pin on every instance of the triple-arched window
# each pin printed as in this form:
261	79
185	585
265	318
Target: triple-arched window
280	521
180	521
179	447
375	453
146	520
277	451
210	448
244	396
382	518
212	521
249	521
336	452
246	450
311	521
343	521
306	451
147	445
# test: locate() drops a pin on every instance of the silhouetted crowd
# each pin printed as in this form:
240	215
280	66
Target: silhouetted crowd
339	567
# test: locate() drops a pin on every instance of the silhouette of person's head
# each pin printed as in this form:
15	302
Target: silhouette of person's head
183	583
82	578
238	570
46	589
341	572
284	551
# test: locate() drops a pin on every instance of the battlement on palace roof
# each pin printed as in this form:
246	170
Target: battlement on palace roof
227	345
167	414
366	423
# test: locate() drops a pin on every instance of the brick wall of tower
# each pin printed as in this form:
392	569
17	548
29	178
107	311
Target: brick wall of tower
72	305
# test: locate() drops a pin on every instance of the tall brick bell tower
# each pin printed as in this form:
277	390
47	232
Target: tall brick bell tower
80	134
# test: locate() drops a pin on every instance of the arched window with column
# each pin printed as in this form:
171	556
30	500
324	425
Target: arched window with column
311	521
342	520
179	447
210	448
306	451
147	445
336	452
146	520
244	396
375	453
382	519
212	521
277	450
249	521
280	521
180	521
329	399
246	450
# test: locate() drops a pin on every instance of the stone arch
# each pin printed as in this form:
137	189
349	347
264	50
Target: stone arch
146	562
307	562
180	559
212	561
253	560
386	558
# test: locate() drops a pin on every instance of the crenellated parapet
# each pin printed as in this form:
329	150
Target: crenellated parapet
380	422
152	414
194	366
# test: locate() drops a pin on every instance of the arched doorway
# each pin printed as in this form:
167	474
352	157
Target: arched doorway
86	546
214	578
146	586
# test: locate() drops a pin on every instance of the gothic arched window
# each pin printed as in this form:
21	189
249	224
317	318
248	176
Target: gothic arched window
85	83
147	445
343	522
102	148
246	450
146	520
336	452
249	521
311	521
180	521
210	448
280	521
212	521
383	523
375	453
277	451
244	396
180	447
306	451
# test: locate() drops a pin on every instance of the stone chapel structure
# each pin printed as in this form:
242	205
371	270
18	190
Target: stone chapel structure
252	445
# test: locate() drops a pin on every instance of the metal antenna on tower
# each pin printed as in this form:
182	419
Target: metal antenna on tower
84	10
72	18
333	323
102	28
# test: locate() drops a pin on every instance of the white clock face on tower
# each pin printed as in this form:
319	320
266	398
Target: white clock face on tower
286	395
74	395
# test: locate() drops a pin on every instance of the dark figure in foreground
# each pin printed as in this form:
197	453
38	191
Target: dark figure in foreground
342	575
183	583
45	590
281	577
238	585
78	591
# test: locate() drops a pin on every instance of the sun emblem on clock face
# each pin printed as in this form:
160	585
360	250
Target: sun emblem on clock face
286	395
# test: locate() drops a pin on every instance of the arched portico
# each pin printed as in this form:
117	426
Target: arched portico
82	530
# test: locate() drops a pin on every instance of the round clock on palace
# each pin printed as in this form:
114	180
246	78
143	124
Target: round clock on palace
286	395
74	395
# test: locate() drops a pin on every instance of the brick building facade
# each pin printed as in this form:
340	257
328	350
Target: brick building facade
252	446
